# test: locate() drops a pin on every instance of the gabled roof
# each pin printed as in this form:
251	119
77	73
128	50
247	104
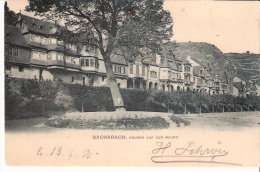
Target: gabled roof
173	65
238	85
14	36
186	62
37	25
165	63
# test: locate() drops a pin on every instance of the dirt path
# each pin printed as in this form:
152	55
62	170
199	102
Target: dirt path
223	121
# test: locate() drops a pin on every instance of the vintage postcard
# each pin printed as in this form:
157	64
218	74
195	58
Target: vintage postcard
131	83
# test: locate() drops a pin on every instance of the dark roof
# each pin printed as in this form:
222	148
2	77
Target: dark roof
238	85
118	57
150	59
14	36
37	25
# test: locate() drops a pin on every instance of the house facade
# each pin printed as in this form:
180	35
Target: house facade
33	51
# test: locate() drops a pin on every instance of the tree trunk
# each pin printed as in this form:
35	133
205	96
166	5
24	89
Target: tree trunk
241	108
82	107
213	108
200	109
116	95
223	109
185	108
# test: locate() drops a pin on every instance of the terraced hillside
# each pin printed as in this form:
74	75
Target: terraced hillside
248	65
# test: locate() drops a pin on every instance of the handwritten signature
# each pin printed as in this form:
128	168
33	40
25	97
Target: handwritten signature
190	153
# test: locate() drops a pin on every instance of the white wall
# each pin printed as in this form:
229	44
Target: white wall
164	73
235	91
26	73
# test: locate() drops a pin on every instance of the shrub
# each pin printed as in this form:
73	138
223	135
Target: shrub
29	96
124	123
179	120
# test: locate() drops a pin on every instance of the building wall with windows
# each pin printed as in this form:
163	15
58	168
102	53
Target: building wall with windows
38	54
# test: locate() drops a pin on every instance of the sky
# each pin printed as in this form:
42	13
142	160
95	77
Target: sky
233	26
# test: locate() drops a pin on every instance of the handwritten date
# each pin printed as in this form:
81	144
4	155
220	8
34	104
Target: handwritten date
59	151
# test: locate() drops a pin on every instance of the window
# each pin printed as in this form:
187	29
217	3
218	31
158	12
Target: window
15	51
82	62
92	62
9	51
119	69
201	71
187	69
40	74
87	62
41	27
49	57
12	51
97	64
179	66
178	76
169	74
187	78
153	74
32	38
143	70
21	68
114	69
103	78
72	79
131	68
137	69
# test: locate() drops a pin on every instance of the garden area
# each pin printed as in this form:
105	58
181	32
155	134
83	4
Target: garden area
25	98
33	105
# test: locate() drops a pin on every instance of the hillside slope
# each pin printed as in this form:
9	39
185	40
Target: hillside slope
248	65
204	53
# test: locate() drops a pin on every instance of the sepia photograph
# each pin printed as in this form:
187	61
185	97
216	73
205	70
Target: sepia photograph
155	83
